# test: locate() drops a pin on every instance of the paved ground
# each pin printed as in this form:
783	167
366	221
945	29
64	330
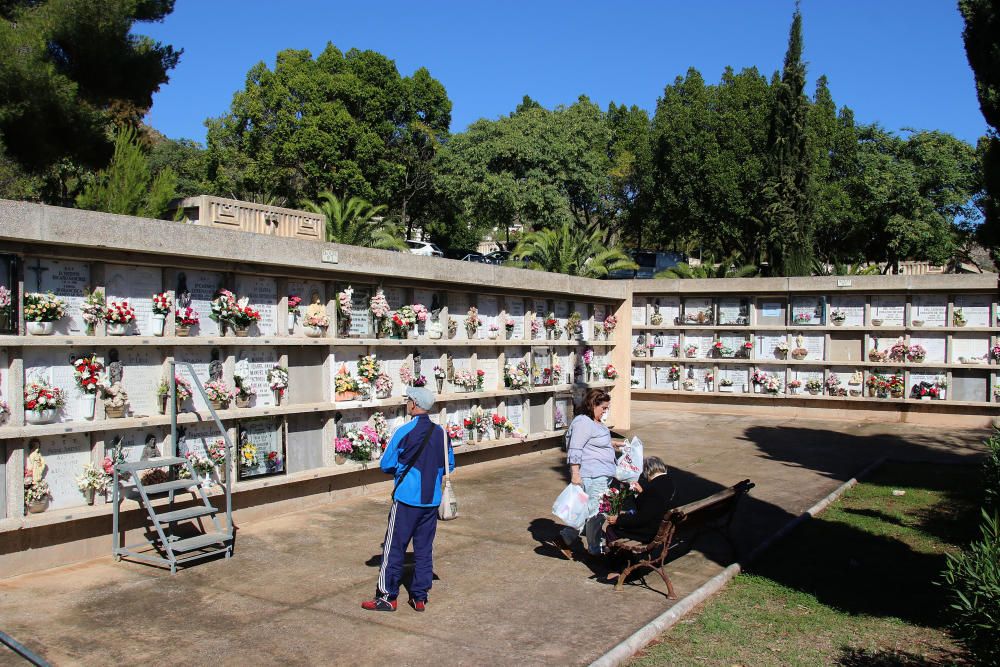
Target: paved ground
291	594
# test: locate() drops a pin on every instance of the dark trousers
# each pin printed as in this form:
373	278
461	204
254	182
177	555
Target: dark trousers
405	523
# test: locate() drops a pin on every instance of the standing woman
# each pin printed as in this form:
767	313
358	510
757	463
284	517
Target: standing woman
591	459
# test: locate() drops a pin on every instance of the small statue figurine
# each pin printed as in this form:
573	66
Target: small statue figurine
215	370
182	297
315	308
36	463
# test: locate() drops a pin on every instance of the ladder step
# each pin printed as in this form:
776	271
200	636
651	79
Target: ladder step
184	514
176	485
199	541
161	462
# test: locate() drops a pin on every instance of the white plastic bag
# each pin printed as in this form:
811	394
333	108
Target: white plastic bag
629	465
571	506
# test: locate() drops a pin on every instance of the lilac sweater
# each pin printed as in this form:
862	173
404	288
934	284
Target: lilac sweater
590	448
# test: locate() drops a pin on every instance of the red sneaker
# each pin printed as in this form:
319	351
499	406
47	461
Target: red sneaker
379	604
418	605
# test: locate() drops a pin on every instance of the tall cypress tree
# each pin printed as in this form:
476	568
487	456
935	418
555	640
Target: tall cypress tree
786	207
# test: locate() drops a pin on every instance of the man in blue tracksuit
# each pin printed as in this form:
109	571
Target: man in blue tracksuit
415	456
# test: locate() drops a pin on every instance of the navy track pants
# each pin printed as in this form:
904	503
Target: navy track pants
405	523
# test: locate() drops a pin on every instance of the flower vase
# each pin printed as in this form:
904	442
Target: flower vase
114	412
496	434
479	436
38	506
942	394
156	322
383	394
470	437
314	332
676	384
117	328
340	459
756	388
40	416
217	405
89	403
243	401
91	329
509	334
88	495
709	386
440	385
241	332
182	331
291	323
278	395
434	333
745	389
40	328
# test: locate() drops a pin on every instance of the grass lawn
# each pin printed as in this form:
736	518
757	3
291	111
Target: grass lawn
854	586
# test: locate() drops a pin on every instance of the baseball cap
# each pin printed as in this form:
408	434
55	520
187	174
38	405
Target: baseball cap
423	398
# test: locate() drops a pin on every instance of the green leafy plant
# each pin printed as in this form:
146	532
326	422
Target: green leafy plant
128	186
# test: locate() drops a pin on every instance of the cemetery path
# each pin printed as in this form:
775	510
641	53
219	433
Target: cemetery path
292	591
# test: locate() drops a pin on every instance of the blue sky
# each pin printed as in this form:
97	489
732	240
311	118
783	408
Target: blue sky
898	62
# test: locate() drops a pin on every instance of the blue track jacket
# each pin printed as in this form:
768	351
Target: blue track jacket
422	486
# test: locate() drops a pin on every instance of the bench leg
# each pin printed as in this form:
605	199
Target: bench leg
670	586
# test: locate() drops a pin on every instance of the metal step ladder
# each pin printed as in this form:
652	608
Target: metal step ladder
169	547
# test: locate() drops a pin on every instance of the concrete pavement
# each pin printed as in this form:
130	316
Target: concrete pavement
291	593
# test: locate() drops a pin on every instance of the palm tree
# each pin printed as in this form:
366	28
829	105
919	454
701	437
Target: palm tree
820	268
356	222
569	250
728	268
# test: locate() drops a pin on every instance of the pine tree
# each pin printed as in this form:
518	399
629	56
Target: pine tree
787	214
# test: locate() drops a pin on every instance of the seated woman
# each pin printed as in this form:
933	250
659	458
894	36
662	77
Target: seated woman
656	492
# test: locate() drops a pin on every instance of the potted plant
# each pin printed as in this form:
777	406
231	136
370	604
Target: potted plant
243	317
872	383
115	400
91	481
224	305
277	377
345	311
472	321
163	303
916	354
93	310
689	384
182	387
117	317
244	392
794	386
814	386
219	394
41	312
958	318
726	385
184	319
674	375
36	494
838	317
294	302
42	402
86	374
781	350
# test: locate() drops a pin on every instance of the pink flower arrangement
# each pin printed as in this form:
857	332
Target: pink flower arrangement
610	322
420	310
406	374
119	313
293	303
536	326
455	432
342	446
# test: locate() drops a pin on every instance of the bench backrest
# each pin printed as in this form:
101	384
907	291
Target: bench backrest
702	511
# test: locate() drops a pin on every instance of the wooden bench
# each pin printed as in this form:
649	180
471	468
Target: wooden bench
715	511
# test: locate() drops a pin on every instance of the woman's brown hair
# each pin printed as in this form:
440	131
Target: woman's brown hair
591	400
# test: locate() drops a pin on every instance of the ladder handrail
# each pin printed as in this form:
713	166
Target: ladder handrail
172	400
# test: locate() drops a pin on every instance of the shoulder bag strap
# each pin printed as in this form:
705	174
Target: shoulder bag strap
413	459
447	475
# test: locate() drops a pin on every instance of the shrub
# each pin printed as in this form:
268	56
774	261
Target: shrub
991	474
974	579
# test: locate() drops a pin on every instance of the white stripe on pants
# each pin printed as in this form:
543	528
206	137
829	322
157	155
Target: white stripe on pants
385	549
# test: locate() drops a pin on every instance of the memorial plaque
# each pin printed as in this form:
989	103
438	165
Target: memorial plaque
975	309
698	375
970	349
304	289
814	345
807	310
933	344
541	359
734	311
890	309
489	366
53	366
133	443
515	413
669	308
142	373
5	376
638	310
845	347
202	286
266	436
663	344
429	299
738	375
199	358
968	387
305	447
930	309
253	364
196	438
541	308
928	376
734	341
458	309
263	295
70	281
393	361
361	325
488	308
704	343
515	309
638	376
804	375
137	285
562	412
350	420
458	411
776	372
600	312
850	305
396	296
586	326
65	456
698	311
771	313
562	313
767	346
661	377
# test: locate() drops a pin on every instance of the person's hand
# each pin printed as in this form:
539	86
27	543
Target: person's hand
576	479
636	487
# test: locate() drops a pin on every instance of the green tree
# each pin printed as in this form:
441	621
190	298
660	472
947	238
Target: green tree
564	249
728	268
787	206
188	159
356	222
982	48
129	186
71	70
340	122
630	154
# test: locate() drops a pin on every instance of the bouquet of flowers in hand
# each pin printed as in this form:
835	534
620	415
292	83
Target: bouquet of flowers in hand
162	303
119	313
86	372
43	307
613	500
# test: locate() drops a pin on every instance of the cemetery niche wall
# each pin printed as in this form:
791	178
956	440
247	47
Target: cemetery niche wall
306	361
909	348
